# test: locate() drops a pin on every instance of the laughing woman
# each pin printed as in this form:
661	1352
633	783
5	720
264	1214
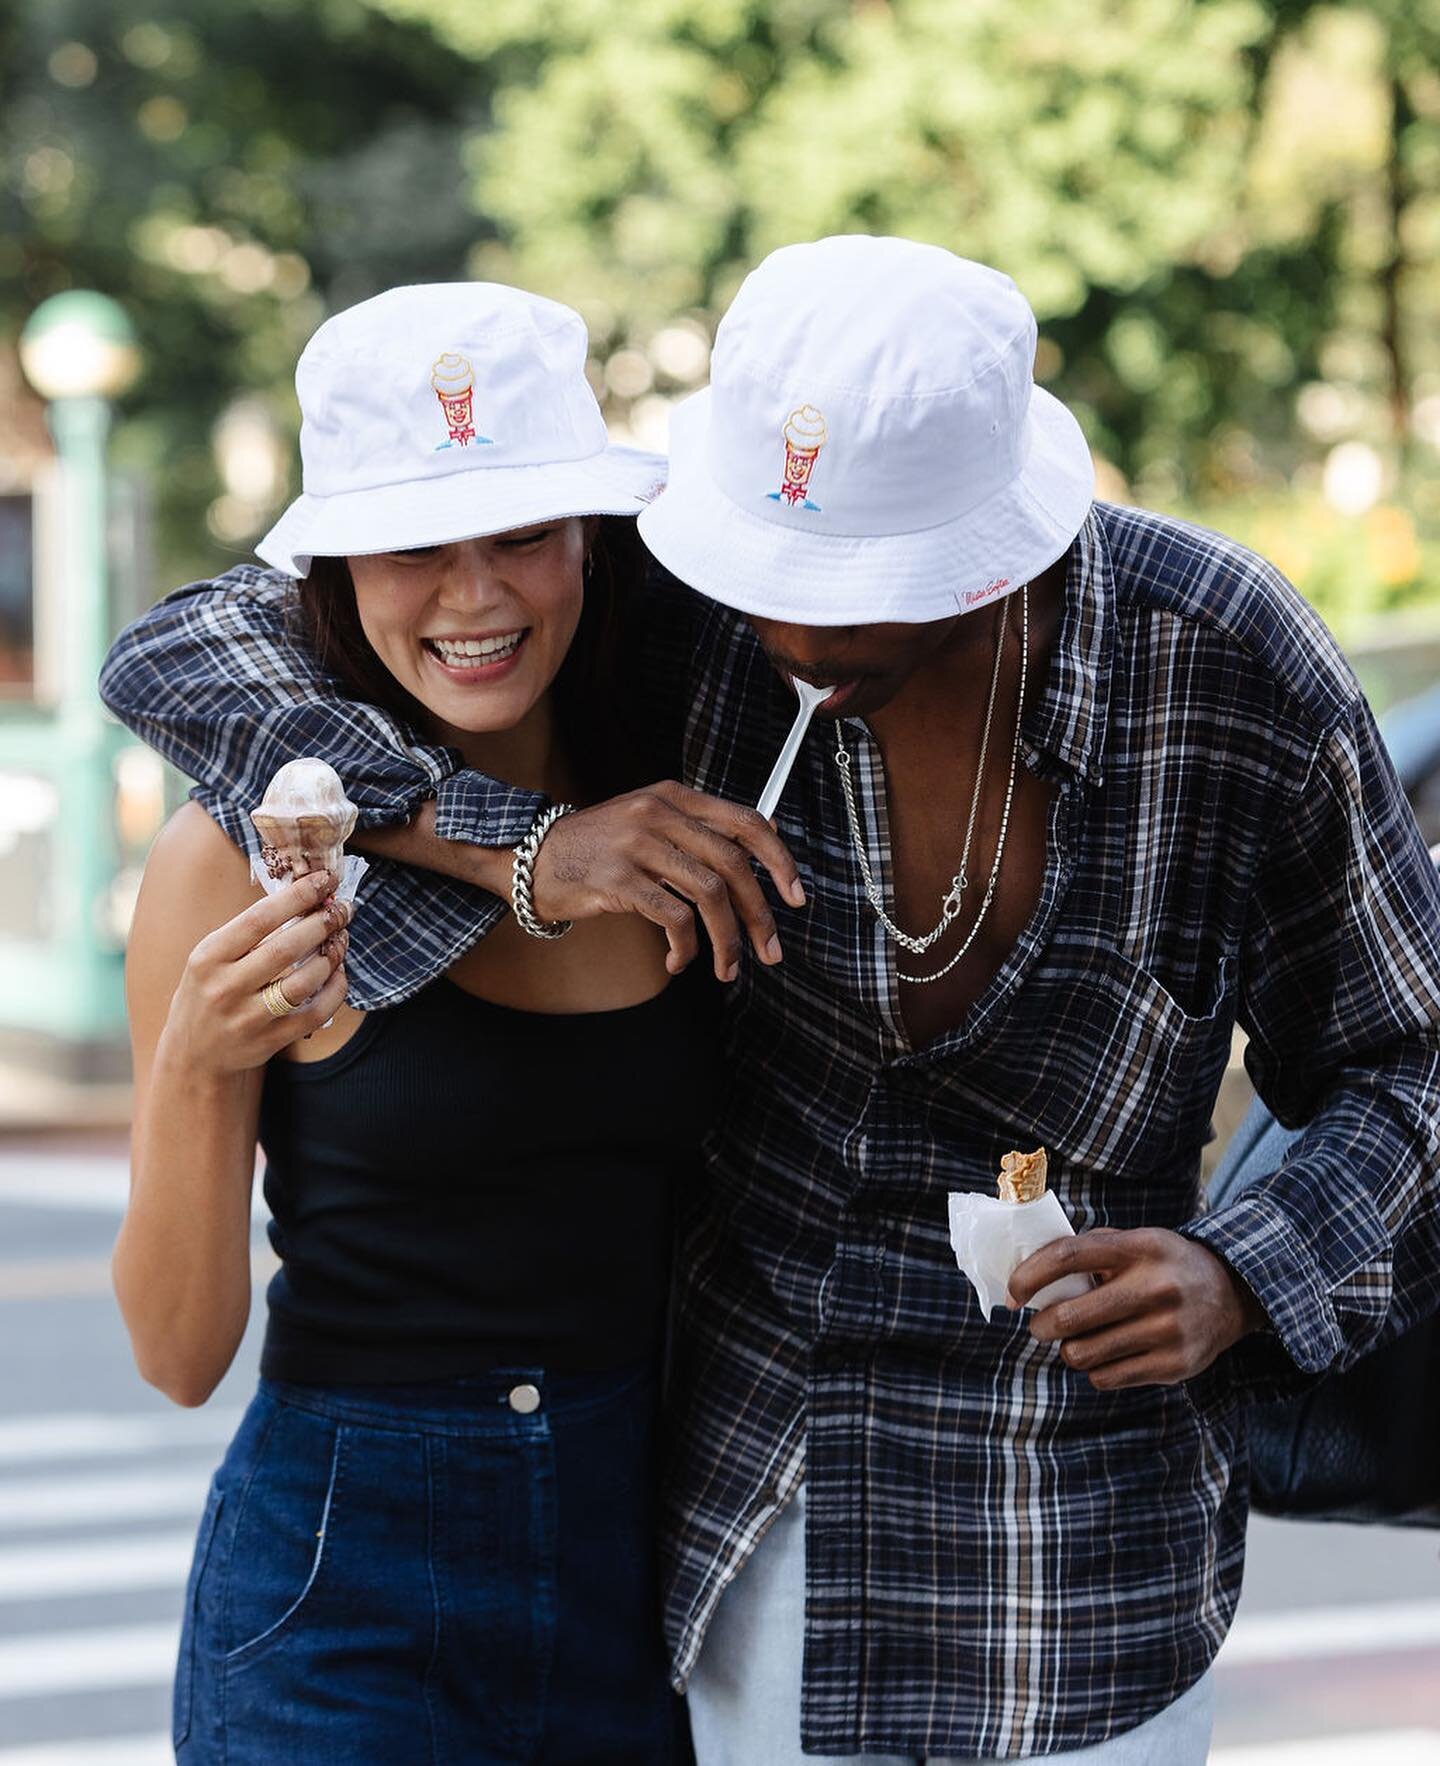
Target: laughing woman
432	1536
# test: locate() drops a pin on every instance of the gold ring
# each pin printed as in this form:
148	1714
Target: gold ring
276	1003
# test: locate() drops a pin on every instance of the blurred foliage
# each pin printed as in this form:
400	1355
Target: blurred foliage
230	173
1354	568
1225	212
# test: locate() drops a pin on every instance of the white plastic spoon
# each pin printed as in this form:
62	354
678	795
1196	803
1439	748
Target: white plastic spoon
809	697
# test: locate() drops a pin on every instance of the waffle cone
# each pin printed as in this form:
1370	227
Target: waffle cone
293	846
1022	1176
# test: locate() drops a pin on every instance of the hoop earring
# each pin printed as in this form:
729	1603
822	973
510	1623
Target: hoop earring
589	567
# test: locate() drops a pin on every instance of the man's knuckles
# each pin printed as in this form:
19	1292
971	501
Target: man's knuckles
749	823
661	905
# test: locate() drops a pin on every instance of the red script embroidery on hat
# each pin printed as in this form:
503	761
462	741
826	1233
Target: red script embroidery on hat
453	379
805	434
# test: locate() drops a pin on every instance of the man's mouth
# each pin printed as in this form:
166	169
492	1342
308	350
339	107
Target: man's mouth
831	705
476	656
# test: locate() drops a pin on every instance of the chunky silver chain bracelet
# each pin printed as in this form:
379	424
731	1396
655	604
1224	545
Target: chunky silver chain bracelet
522	879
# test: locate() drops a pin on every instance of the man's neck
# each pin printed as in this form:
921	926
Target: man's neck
960	667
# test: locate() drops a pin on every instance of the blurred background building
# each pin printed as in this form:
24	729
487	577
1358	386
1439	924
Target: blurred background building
1226	214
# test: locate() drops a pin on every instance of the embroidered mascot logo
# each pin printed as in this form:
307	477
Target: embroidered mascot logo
805	435
453	379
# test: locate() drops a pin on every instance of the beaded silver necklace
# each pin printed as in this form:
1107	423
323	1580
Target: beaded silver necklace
954	901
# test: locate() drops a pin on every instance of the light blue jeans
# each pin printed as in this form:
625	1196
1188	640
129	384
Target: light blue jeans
745	1691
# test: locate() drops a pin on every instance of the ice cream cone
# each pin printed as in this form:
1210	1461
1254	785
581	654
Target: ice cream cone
304	821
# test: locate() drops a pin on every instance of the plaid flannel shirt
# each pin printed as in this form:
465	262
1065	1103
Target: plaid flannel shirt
1000	1560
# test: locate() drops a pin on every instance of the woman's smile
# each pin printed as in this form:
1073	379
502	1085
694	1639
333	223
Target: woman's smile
473	659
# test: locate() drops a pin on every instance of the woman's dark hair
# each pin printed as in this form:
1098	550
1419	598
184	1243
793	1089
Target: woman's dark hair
596	721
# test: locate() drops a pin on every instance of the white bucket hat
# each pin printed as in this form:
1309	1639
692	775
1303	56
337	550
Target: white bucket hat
445	411
872	445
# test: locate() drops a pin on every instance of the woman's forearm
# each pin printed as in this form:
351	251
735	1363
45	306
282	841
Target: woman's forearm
181	1264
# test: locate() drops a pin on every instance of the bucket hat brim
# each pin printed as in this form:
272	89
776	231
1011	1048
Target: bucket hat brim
459	506
808	577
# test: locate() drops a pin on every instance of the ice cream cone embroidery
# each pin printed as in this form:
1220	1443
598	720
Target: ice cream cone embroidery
454	382
805	434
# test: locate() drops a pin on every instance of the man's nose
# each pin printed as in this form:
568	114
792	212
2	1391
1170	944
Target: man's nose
805	646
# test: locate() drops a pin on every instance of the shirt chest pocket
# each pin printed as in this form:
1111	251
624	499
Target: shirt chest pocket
1106	1068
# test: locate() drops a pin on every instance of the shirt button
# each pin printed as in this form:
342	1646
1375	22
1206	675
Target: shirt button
525	1399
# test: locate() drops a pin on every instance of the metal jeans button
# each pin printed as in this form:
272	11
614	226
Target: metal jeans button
525	1399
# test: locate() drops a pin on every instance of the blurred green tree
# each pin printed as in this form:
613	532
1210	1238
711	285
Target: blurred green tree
1226	212
230	173
650	152
1189	191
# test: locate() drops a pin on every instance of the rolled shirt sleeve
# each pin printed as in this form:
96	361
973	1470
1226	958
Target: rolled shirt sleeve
1340	996
217	679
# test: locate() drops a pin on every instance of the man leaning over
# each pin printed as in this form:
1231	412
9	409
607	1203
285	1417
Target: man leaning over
1093	787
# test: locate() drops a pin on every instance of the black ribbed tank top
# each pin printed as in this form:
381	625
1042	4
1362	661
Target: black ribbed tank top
464	1185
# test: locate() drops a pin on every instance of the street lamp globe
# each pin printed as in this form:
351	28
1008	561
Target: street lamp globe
79	345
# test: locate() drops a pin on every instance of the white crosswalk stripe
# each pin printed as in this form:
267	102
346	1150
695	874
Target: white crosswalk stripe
75	1660
125	1750
97	1183
96	1566
96	1435
1332	1631
97	1525
79	1182
99	1501
1392	1747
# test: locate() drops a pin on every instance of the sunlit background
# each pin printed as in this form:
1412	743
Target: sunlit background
1226	214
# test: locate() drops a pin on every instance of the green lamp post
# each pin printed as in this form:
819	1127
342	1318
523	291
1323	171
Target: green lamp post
79	352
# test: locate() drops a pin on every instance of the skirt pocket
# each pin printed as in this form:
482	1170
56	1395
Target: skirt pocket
282	1539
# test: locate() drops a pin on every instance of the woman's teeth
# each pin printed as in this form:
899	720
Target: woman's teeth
456	652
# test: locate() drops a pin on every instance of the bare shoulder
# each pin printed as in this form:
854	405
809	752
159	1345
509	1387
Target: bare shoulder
195	880
192	851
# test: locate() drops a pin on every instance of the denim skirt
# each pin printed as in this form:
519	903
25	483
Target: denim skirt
461	1573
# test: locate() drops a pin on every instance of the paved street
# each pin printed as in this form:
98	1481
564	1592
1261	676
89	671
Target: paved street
1336	1656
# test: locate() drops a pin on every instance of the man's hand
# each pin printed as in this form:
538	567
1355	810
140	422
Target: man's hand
642	853
1164	1310
637	854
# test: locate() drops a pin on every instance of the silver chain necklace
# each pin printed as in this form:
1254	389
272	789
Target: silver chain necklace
950	908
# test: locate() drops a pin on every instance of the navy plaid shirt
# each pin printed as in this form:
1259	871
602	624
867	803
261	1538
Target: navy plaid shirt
1001	1560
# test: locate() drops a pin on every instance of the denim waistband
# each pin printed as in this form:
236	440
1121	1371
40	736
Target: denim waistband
481	1400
